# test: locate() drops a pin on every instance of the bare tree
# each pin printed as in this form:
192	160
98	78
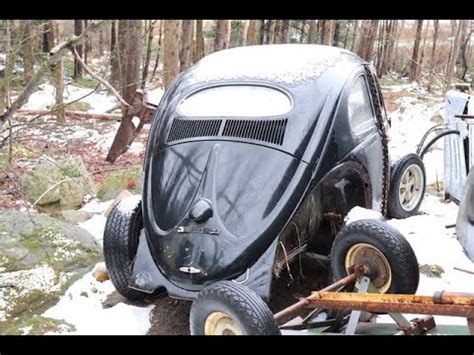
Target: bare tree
115	78
199	48
312	32
354	37
185	54
146	62
171	51
467	33
77	66
130	55
366	39
328	30
433	54
454	56
285	31
414	64
222	38
253	32
28	58
243	38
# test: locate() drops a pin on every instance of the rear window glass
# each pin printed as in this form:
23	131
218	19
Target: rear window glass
236	101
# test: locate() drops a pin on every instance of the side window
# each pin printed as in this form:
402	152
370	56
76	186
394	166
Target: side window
361	114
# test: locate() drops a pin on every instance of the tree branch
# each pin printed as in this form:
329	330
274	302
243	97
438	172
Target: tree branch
55	55
98	78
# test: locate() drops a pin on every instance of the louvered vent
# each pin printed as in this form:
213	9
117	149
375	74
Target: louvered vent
271	131
183	129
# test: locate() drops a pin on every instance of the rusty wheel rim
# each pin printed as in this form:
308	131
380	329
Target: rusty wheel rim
220	323
373	261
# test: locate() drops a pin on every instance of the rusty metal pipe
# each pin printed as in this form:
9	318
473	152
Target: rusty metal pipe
286	314
449	304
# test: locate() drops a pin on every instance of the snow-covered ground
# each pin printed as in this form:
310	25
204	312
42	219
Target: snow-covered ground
434	244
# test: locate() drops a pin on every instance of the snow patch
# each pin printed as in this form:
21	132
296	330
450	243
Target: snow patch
95	226
88	316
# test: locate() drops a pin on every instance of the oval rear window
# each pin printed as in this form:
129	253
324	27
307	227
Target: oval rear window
235	101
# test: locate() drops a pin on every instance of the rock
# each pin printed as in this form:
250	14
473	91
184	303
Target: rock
41	257
122	195
84	294
75	216
117	181
432	270
68	181
100	274
94	290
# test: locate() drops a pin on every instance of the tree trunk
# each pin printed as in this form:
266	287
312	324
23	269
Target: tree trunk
101	42
366	40
146	63
28	58
423	48
354	37
222	38
130	46
328	32
337	30
261	33
114	56
454	56
199	51
5	89
243	38
185	54
253	32
312	32
433	54
158	52
392	43
414	64
285	31
77	66
270	32
466	37
87	45
59	88
171	51
47	45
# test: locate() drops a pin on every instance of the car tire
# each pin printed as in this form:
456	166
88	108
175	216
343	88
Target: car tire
407	186
121	233
397	265
229	308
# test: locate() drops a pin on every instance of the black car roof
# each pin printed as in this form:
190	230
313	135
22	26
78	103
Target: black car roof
287	64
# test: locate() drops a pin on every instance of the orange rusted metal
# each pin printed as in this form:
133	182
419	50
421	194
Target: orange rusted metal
451	304
286	314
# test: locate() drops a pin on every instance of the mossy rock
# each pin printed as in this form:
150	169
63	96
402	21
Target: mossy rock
120	180
432	270
68	181
38	325
79	106
40	257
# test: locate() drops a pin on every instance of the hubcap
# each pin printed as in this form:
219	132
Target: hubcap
219	323
374	261
411	187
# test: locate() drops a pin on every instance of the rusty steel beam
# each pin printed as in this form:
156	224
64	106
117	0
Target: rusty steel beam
449	304
288	313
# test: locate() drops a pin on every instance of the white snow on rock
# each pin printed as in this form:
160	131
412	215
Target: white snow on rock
358	213
95	226
88	316
96	206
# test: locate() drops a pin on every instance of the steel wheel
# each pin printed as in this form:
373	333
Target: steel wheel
220	323
411	186
374	260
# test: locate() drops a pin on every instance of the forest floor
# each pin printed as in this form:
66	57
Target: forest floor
408	106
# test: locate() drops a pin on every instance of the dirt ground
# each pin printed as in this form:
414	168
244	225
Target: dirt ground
171	316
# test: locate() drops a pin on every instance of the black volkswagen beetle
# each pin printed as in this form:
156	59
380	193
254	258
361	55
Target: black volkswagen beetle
255	156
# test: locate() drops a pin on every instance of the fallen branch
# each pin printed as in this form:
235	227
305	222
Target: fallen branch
55	56
99	79
463	270
70	113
